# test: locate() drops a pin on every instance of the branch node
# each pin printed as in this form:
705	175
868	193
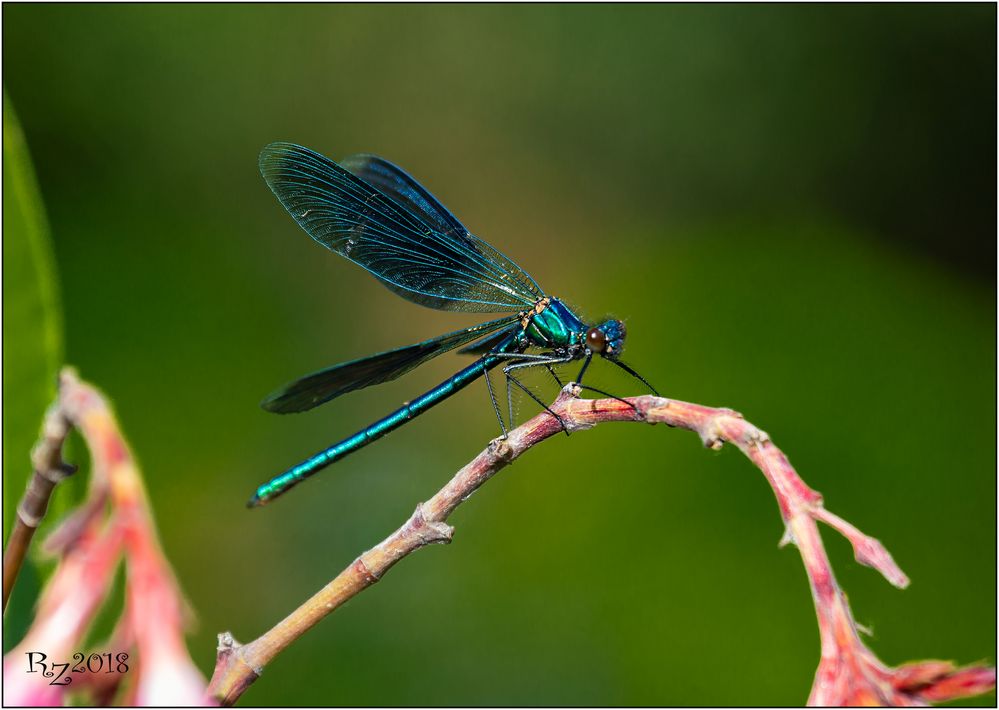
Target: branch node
227	643
443	533
430	531
757	437
787	538
569	392
29	519
500	449
712	438
369	576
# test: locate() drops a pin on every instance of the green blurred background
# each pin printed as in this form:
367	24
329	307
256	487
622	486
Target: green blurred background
793	208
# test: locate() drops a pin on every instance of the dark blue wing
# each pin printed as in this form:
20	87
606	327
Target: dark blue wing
319	387
395	182
396	230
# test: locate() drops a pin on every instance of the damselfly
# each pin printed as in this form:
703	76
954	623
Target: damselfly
373	213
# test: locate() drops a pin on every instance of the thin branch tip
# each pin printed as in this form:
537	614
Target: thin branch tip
868	551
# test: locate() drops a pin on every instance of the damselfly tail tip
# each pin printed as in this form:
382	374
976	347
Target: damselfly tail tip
255	502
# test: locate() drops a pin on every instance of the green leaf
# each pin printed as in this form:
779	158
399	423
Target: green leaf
32	321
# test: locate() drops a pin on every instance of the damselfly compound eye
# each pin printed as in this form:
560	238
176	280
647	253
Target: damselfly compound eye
596	340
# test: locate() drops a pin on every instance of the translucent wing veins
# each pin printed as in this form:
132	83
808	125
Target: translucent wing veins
377	216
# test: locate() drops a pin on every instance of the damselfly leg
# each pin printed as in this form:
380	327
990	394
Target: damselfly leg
520	358
582	370
636	376
535	361
496	409
606	394
579	382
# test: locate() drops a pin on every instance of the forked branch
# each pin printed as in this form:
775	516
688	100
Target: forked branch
848	673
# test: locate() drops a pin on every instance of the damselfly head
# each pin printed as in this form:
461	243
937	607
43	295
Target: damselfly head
606	339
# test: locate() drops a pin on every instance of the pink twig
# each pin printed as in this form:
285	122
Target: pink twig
114	523
848	672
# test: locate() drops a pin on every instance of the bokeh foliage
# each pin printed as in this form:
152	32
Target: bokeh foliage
31	312
33	349
792	207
